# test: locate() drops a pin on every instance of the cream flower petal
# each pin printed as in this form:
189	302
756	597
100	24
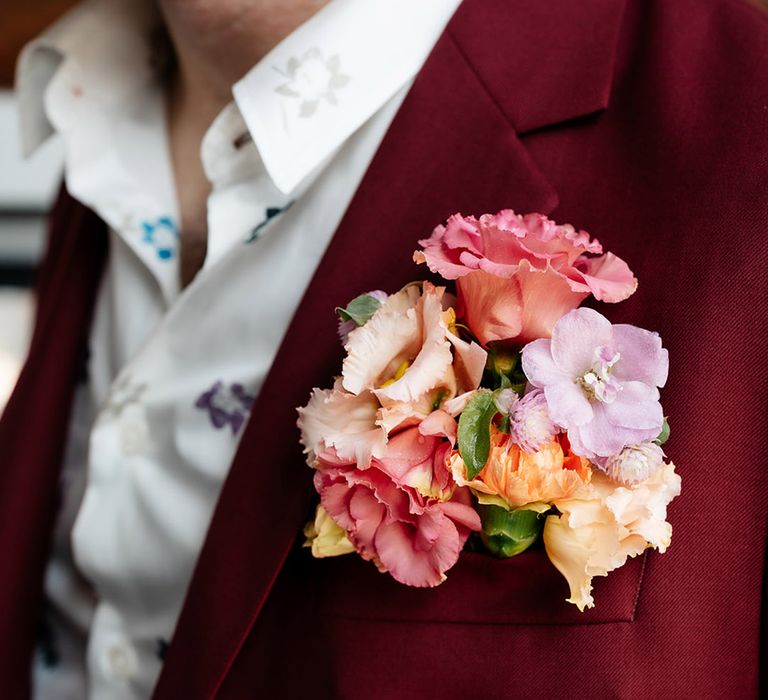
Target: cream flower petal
325	537
570	549
596	534
398	417
439	423
458	403
470	363
400	414
433	360
388	339
335	419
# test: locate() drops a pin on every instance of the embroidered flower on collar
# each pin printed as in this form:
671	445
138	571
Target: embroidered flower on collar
226	405
163	235
311	79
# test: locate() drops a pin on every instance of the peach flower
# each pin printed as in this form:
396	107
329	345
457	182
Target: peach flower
595	533
517	275
519	478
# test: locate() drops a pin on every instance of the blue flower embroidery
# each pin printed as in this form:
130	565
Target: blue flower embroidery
163	235
226	406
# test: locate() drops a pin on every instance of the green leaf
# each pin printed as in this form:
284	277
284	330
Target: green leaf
475	431
507	533
360	309
664	434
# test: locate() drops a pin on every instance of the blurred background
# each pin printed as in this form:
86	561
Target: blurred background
26	190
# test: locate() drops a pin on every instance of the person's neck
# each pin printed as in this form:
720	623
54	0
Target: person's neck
215	42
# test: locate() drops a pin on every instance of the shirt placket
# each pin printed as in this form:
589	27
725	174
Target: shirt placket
243	199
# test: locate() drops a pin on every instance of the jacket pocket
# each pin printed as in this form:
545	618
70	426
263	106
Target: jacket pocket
480	589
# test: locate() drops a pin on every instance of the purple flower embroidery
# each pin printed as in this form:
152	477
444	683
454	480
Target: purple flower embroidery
226	405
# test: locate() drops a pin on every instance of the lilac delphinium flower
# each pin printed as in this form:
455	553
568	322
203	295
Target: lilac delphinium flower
633	464
600	381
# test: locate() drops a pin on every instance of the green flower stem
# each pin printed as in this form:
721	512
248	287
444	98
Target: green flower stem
507	533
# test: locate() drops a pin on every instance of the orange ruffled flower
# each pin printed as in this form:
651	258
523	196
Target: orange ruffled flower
519	478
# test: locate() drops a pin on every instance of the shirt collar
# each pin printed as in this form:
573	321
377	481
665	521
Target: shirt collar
107	43
327	78
299	103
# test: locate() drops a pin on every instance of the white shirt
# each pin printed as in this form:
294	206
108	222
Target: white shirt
172	373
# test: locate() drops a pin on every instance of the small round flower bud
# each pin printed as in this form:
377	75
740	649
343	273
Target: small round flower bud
530	424
634	464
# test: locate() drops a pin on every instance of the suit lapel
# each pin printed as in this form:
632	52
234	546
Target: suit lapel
452	147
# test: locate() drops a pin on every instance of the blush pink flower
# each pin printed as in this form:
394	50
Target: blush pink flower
600	382
404	513
408	356
517	275
346	423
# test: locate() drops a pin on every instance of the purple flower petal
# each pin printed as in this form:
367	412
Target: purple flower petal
600	382
575	338
204	400
218	417
568	405
539	366
598	437
642	357
236	420
636	415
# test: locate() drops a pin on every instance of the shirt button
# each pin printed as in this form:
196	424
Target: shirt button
122	661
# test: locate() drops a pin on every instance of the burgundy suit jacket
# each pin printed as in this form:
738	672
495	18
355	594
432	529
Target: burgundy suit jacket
644	122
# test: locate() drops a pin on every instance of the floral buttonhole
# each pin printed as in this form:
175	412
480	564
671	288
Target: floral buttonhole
494	410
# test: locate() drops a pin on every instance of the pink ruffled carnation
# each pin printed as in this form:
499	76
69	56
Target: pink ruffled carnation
600	382
517	275
404	513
